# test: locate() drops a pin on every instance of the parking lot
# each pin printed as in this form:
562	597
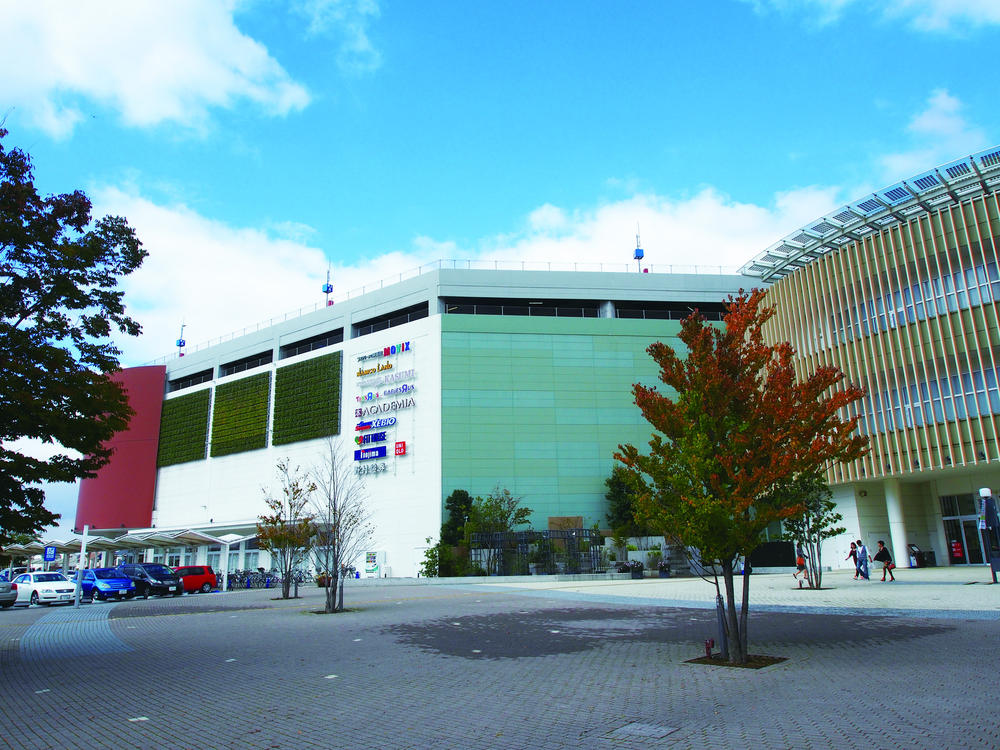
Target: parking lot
558	664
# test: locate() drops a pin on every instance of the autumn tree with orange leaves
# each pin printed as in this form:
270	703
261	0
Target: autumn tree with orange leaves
740	427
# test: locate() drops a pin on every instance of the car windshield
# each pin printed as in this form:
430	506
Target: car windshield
159	570
49	578
107	573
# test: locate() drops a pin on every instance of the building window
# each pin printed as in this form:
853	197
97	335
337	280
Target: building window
311	344
390	320
199	377
247	363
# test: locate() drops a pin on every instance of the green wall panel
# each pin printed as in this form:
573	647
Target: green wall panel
539	405
239	421
184	429
307	399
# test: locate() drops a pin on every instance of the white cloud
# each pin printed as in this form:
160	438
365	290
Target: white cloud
939	133
151	61
925	15
213	277
219	279
347	20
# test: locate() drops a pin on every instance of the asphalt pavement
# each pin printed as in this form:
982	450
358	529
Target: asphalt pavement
547	663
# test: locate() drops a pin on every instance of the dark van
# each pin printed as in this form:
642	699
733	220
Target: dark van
152	578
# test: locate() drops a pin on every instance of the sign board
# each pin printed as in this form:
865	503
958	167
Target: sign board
50	554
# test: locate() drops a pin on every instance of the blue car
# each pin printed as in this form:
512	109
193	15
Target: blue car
106	583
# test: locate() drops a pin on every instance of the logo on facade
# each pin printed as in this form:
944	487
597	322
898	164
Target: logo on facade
401	448
387	406
396	391
371	437
366	454
387	351
376	424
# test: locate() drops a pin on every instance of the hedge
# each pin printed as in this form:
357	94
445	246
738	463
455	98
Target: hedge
184	428
307	400
239	422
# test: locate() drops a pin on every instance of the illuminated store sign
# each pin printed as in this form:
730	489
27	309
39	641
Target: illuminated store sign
366	454
376	424
371	437
401	448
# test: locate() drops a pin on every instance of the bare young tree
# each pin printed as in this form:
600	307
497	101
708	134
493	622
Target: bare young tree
342	525
286	530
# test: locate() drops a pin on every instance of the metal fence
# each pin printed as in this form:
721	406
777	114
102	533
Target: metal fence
538	552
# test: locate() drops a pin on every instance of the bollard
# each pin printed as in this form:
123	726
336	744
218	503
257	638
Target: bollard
709	643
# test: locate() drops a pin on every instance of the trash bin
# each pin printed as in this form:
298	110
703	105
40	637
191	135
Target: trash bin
930	560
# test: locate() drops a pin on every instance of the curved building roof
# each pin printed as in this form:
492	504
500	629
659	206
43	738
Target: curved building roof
931	190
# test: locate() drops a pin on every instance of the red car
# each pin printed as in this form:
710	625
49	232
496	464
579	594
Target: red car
197	578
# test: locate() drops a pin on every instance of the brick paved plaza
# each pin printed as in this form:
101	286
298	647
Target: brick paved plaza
553	664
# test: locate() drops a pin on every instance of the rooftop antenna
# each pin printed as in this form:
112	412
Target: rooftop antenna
181	343
328	287
638	249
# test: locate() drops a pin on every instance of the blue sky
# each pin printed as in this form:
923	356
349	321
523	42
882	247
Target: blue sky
252	144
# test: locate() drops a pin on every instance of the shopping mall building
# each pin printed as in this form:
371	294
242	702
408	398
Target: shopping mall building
470	378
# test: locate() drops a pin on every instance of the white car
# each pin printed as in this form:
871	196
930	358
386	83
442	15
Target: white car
43	588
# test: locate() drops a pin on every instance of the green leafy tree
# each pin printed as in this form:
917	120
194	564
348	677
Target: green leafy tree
60	305
816	522
739	425
458	505
621	503
431	566
286	530
495	515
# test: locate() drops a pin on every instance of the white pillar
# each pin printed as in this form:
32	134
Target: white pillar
897	524
938	539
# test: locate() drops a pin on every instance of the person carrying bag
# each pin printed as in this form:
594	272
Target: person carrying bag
885	558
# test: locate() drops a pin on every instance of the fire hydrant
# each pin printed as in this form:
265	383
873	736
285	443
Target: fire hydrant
709	644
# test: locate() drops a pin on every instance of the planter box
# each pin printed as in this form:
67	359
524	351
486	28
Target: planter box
664	574
637	574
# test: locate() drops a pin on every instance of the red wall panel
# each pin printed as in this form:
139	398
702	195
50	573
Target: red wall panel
122	492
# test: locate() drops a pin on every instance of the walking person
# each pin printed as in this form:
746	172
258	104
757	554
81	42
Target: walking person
800	564
883	556
863	560
853	555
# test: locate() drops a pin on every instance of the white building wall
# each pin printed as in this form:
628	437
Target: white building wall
405	498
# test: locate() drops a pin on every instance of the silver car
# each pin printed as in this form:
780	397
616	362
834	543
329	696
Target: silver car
7	595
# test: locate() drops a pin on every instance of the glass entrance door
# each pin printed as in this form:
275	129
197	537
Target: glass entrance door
961	529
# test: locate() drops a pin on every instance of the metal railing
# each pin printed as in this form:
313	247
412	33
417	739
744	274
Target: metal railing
438	265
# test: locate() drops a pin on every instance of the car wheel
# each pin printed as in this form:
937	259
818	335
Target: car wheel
206	587
34	597
95	596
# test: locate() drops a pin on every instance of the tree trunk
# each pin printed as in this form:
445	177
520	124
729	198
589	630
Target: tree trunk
817	564
331	594
340	594
736	653
286	585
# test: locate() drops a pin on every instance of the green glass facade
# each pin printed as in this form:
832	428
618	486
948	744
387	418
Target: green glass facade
539	405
